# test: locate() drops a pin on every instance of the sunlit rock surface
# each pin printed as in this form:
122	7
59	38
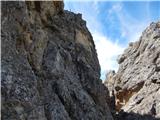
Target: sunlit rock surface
136	85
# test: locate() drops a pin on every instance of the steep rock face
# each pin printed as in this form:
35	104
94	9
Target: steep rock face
109	83
137	83
50	69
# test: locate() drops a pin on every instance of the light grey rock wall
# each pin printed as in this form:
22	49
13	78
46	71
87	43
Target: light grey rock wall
137	83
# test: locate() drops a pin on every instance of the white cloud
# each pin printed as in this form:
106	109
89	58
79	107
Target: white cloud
108	52
131	28
116	7
96	7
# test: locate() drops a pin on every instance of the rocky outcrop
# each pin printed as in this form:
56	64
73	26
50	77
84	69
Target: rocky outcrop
50	69
109	83
136	85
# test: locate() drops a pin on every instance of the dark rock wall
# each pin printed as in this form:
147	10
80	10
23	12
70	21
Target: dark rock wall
50	69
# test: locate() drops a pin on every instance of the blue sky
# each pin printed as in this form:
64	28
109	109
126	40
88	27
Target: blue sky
114	24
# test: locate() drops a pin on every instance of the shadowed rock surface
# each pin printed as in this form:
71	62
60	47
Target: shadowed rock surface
136	85
50	69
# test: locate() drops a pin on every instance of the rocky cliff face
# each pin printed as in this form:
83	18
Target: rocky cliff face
50	69
136	85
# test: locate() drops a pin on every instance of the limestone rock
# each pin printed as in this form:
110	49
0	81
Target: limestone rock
109	83
137	82
50	69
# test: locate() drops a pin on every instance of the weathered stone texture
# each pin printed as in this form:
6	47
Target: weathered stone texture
137	83
50	69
